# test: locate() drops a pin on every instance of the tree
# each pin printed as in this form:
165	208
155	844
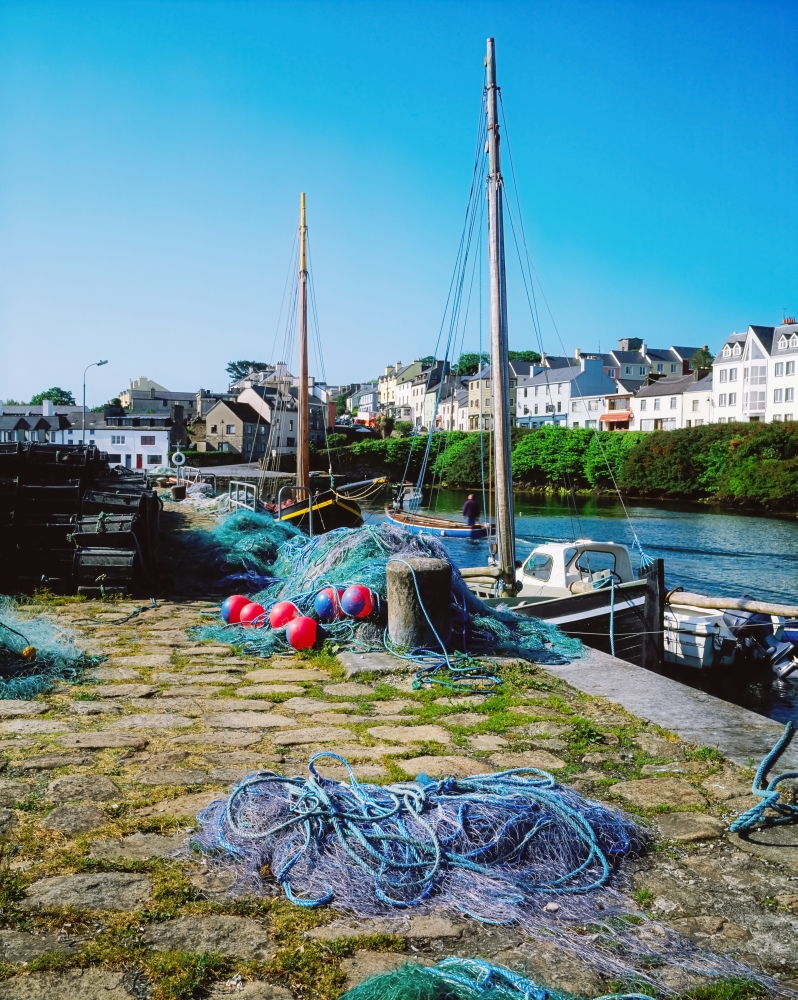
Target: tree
430	359
58	397
531	356
385	425
340	405
470	363
702	358
402	428
238	369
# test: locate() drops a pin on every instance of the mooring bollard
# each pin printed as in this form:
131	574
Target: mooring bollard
407	623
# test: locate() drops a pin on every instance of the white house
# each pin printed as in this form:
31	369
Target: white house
673	402
755	375
574	395
135	442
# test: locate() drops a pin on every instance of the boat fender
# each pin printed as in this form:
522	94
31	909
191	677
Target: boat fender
358	601
282	613
232	607
252	616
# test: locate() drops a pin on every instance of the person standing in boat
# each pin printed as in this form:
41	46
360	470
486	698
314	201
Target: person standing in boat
471	510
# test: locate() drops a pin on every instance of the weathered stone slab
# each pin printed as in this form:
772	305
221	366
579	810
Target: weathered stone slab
151	660
540	729
464	719
87	984
442	767
305	706
726	785
114	674
417	926
125	690
75	819
94	707
103	741
774	843
171	777
235	705
540	759
152	722
19	946
232	775
217	739
190	691
103	891
215	667
461	700
646	793
73	787
234	936
487	741
48	761
285	674
537	712
207	651
8	821
318	734
657	746
371	963
690	826
411	734
269	689
185	805
252	990
192	679
12	707
24	726
12	792
247	720
348	689
185	706
232	758
379	663
17	744
138	847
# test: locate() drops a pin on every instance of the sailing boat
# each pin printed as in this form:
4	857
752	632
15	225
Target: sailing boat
325	510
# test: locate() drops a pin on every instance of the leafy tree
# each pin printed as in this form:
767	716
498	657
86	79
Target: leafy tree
58	397
402	428
469	363
340	405
238	369
385	425
14	402
336	440
608	449
430	359
702	358
531	356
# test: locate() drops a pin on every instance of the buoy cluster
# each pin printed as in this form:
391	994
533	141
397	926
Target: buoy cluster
302	631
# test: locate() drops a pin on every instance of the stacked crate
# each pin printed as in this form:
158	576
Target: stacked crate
70	522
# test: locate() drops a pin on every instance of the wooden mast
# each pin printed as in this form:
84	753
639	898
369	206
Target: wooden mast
303	409
499	365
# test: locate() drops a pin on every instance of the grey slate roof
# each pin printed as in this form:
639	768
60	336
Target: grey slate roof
701	385
671	385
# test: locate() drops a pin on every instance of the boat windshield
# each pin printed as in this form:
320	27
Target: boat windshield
593	563
538	566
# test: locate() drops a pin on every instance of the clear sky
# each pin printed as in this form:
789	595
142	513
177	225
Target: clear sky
152	155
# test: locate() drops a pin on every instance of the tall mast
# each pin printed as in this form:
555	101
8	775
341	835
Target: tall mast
499	366
303	409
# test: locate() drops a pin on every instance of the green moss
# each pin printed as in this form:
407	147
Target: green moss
736	988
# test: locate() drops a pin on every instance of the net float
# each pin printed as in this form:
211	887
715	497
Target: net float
252	616
232	607
282	613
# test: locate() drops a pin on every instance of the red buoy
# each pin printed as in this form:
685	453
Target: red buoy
282	613
231	609
357	601
252	616
327	604
301	632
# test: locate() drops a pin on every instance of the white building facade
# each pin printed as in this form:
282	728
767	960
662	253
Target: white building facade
755	378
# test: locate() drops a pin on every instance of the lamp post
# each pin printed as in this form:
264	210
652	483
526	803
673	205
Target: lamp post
92	365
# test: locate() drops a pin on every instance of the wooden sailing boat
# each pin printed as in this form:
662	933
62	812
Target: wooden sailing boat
325	510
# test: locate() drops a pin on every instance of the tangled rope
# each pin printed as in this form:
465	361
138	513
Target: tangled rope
769	793
487	844
461	979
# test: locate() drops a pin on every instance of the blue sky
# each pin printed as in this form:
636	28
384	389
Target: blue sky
152	155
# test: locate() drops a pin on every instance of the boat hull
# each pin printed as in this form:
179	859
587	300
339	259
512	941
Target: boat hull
330	511
443	527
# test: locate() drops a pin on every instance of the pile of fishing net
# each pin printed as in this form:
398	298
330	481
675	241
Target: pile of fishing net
461	979
34	653
513	847
278	563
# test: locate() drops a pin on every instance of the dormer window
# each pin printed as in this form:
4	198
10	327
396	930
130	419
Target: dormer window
737	350
794	341
727	351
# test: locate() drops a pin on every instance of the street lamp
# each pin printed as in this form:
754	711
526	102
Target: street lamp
92	365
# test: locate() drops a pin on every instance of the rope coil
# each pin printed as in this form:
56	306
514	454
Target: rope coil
769	794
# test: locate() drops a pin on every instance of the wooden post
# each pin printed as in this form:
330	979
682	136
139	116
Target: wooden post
407	623
654	622
303	408
499	365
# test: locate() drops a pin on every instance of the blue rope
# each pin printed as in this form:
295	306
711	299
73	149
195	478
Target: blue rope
769	794
406	836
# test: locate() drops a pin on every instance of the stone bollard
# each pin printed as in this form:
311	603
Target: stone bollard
407	624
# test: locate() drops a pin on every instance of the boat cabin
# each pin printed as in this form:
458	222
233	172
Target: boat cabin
557	569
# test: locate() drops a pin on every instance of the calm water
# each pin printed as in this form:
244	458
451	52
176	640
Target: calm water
706	550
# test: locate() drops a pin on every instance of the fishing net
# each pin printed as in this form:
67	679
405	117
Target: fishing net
513	847
252	548
461	979
34	653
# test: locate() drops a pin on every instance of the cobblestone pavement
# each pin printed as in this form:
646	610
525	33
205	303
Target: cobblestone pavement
101	782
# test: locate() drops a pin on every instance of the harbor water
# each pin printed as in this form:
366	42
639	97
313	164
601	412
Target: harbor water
707	550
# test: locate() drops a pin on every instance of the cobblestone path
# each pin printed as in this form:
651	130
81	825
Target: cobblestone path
101	782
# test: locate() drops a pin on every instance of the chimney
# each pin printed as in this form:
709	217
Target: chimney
398	365
388	370
643	347
543	358
577	353
47	408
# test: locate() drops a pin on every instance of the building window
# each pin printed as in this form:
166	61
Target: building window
724	375
642	404
213	428
117	439
737	350
290	442
695	405
673	368
656	402
777	416
248	428
628	369
721	420
660	367
789	368
165	402
536	407
698	423
732	374
789	395
290	425
777	395
726	351
611	372
148	439
91	432
153	459
732	399
673	402
778	369
642	370
559	407
231	428
574	408
590	424
722	399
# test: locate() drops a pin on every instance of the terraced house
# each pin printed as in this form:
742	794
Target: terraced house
755	375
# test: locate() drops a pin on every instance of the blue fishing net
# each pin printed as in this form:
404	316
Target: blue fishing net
293	567
50	654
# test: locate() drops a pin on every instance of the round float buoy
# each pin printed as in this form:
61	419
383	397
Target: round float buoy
28	653
301	632
357	601
232	607
327	604
282	613
252	616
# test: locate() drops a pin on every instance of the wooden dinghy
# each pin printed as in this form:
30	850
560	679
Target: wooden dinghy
432	524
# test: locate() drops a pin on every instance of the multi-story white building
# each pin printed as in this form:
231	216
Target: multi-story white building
755	376
673	402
